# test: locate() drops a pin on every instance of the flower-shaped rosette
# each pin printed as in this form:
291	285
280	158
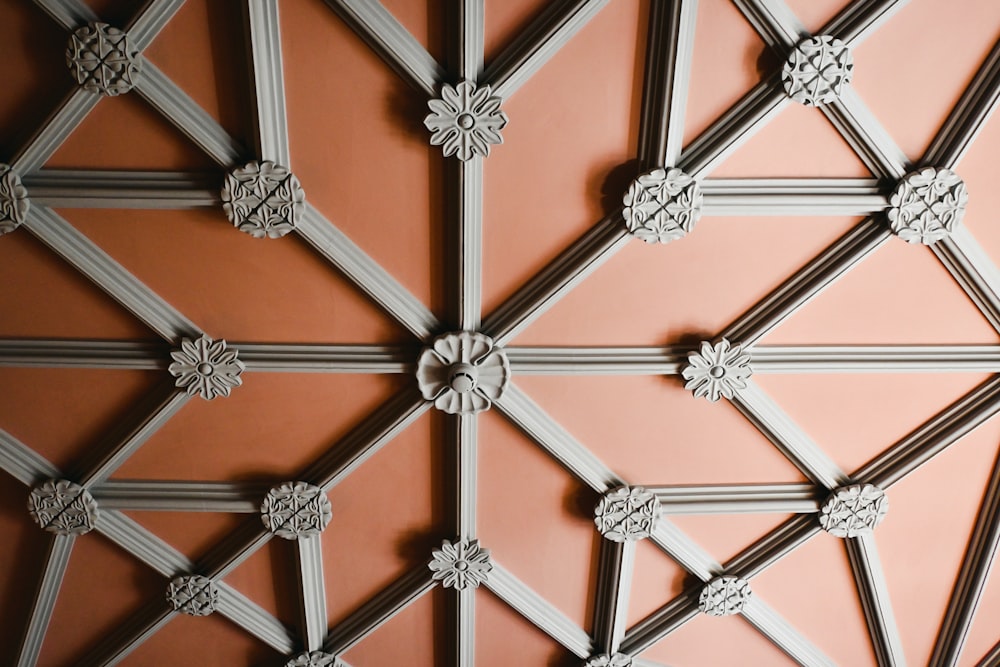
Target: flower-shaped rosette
193	595
263	199
717	371
460	565
462	373
853	510
14	203
662	206
817	70
627	514
62	507
605	660
724	596
927	205
101	59
295	510
466	120
314	659
204	366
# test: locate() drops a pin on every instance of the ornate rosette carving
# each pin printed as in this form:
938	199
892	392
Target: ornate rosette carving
662	206
314	659
14	203
295	510
605	660
461	564
62	507
853	510
193	595
724	596
817	70
466	120
102	60
463	372
627	514
206	367
927	205
263	199
717	371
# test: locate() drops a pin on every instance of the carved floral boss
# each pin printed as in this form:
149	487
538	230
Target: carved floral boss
462	373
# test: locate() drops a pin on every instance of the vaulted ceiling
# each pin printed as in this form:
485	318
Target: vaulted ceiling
492	332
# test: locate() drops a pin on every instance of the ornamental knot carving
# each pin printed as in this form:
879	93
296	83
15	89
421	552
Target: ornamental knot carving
724	596
314	659
462	564
102	60
193	595
627	514
295	510
466	120
855	510
662	206
817	70
605	660
717	371
206	367
263	199
62	507
463	373
927	205
14	203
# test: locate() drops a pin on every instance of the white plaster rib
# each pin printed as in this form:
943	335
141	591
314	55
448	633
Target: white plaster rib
294	358
874	592
860	19
264	44
737	498
866	135
977	565
472	37
87	258
792	196
231	551
465	627
71	188
180	495
57	353
143	544
366	274
778	543
784	636
991	659
468	176
532	48
54	131
144	28
665	620
248	615
465	429
23	463
391	41
56	559
685	551
973	270
70	14
776	24
543	615
614	582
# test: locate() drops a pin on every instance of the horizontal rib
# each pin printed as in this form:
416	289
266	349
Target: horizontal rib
292	358
564	273
366	274
70	188
379	609
876	359
144	545
784	636
251	617
736	499
792	196
56	559
54	131
543	615
391	41
55	353
597	360
554	439
533	47
665	620
973	269
778	543
180	496
862	131
87	258
874	592
828	267
23	463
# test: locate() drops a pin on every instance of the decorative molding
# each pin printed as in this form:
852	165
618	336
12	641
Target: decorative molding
63	120
858	20
264	45
295	358
973	268
853	511
56	559
774	546
776	24
605	660
143	545
465	120
206	367
102	60
686	552
737	498
314	659
792	196
127	636
460	565
615	568
927	205
180	496
230	552
73	188
250	616
627	514
69	14
14	202
717	371
776	630
662	622
859	127
467	286
263	199
296	510
662	206
150	21
313	614
193	595
464	431
817	70
463	373
724	596
873	590
62	507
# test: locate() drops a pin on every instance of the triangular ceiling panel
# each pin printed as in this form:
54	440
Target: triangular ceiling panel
425	20
269	577
725	535
412	637
656	579
191	533
497	623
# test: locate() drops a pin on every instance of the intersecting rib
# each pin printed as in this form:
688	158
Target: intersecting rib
143	544
872	143
264	44
568	270
465	627
532	48
465	431
860	19
973	269
54	131
685	551
876	358
366	274
309	553
593	360
467	283
660	623
23	463
813	278
472	36
69	188
391	41
56	559
874	592
251	617
150	21
70	14
776	24
531	606
668	71
778	543
614	581
293	358
792	196
737	498
87	258
784	636
180	496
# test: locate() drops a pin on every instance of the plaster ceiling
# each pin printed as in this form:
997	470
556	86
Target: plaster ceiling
873	360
